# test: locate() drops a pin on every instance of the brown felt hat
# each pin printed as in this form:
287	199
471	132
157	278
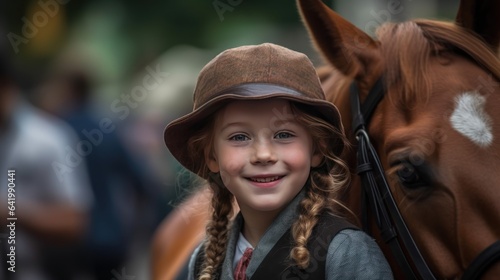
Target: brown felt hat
249	73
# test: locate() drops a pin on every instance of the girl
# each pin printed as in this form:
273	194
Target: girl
262	133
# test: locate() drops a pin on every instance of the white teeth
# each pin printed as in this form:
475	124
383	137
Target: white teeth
265	180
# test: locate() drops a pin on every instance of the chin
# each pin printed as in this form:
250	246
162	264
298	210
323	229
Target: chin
268	206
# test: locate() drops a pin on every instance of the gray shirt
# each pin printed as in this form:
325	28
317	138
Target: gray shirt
352	254
33	145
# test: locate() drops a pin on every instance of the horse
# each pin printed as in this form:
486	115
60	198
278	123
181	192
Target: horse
178	235
434	129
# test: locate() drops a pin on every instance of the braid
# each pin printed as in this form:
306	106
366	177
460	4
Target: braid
324	184
222	202
310	208
217	232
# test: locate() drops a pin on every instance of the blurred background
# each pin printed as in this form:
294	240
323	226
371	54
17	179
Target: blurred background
86	89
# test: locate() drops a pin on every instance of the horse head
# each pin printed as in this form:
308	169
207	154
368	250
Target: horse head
437	128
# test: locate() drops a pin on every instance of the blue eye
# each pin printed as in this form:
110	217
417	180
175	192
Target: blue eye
239	137
283	135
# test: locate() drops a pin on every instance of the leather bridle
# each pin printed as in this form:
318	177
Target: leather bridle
376	194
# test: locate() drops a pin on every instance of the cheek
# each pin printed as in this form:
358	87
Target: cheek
231	165
298	158
231	161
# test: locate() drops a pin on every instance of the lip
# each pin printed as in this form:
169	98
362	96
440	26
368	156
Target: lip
275	180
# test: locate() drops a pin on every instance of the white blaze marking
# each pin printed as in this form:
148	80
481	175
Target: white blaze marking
470	119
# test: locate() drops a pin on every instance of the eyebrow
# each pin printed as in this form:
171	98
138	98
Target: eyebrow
285	121
292	121
225	126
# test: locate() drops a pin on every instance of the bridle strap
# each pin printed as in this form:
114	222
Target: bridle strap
365	111
377	189
482	262
375	204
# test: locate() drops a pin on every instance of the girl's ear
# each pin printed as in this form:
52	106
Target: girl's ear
317	157
316	160
211	161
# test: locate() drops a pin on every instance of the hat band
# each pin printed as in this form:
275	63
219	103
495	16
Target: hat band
257	89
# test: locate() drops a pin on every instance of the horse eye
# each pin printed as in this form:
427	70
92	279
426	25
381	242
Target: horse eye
410	176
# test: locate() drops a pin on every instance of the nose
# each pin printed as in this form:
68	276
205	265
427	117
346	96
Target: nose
263	153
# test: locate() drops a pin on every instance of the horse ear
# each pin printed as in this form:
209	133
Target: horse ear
482	17
346	47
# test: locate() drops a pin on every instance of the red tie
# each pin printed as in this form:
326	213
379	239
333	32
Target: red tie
241	267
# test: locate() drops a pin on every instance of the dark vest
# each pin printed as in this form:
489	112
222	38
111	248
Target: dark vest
277	264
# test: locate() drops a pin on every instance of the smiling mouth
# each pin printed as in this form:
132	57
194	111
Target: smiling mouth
266	179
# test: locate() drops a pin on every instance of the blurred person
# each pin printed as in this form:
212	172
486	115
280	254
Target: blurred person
52	194
123	194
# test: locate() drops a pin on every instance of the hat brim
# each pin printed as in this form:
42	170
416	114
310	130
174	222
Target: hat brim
178	132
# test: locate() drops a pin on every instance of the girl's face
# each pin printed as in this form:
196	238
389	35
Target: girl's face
263	155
